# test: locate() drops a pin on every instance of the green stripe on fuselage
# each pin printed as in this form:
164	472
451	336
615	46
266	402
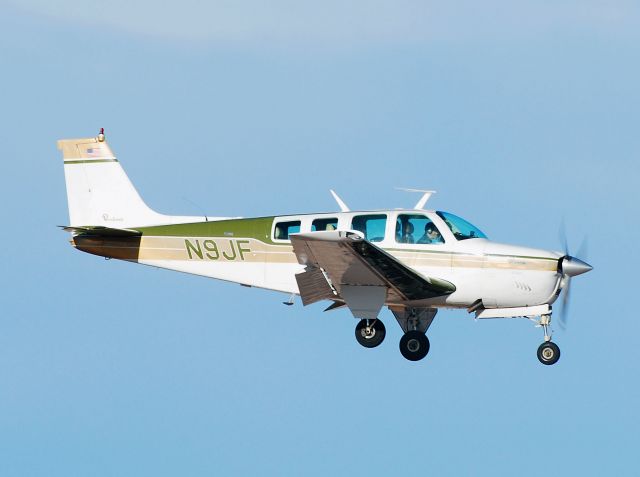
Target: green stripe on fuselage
255	228
89	161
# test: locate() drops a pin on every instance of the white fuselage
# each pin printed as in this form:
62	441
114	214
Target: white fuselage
500	275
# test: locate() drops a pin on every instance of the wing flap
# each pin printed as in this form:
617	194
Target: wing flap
314	286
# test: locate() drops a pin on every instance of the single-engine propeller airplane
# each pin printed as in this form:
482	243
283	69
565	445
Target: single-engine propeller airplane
413	261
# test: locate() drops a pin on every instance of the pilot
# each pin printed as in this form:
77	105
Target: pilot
431	234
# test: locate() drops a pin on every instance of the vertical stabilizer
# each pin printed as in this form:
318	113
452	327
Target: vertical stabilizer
99	193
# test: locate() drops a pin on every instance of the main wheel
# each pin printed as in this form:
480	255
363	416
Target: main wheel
414	345
372	335
548	353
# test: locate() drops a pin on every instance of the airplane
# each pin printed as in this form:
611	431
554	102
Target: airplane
413	261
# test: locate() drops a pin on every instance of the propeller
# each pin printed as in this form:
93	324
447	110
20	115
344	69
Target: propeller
569	267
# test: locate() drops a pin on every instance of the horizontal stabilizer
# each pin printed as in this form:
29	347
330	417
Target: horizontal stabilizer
102	231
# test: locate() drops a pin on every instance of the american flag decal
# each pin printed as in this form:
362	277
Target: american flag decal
94	152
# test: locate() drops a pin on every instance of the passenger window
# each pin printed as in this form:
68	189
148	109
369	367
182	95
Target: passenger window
417	228
284	229
330	223
372	226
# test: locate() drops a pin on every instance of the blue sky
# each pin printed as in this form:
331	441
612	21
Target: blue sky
520	114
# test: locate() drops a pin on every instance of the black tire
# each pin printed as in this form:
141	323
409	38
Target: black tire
548	353
379	332
414	345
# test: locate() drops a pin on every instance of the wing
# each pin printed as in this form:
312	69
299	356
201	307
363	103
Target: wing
343	265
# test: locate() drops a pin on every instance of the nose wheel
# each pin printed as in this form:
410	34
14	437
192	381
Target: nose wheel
370	333
414	345
548	353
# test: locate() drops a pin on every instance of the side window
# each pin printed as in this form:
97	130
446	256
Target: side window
284	229
330	223
417	228
372	226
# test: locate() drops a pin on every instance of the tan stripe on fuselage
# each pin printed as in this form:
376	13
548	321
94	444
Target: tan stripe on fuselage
174	248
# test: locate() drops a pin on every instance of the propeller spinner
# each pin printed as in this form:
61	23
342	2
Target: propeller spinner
573	266
569	267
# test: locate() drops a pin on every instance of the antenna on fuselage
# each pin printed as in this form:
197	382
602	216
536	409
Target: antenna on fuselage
198	206
426	194
341	204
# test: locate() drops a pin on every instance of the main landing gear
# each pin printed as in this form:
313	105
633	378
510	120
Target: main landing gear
548	352
414	345
370	333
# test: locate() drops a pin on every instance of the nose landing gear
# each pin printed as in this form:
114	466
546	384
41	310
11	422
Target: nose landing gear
548	352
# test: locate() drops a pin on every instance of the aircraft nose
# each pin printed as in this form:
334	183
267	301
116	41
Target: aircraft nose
573	266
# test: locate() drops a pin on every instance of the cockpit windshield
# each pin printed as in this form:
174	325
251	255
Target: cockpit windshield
460	228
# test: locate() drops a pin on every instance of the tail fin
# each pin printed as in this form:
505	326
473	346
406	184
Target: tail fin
99	193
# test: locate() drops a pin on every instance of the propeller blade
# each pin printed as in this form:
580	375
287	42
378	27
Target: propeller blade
583	250
564	311
562	235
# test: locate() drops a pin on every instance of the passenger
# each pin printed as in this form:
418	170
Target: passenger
431	234
407	236
330	227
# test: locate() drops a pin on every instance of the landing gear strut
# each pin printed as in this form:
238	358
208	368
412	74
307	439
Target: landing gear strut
370	333
548	352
